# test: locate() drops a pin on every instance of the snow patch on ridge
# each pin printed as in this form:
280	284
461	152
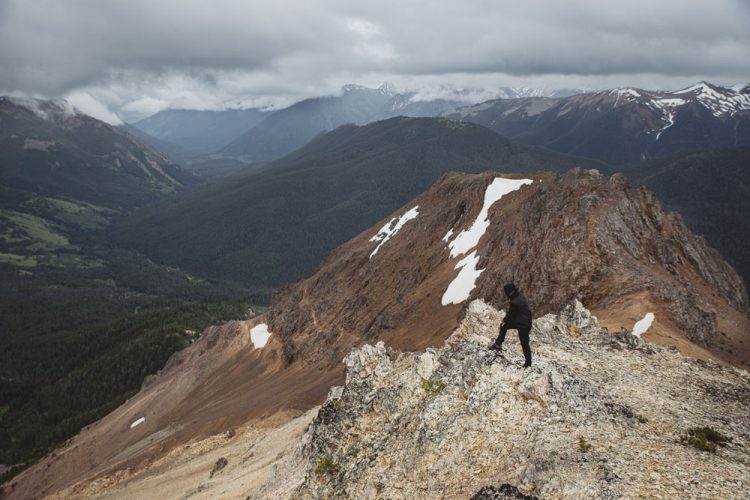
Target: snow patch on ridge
259	335
643	324
392	227
462	285
137	422
469	238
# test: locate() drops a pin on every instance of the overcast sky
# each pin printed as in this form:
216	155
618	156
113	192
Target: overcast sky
136	57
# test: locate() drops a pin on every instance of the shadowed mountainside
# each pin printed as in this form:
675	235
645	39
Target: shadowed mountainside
271	225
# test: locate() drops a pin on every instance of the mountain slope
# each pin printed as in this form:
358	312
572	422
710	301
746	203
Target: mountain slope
200	132
271	225
169	149
49	149
711	190
622	126
547	431
82	322
408	281
64	175
289	128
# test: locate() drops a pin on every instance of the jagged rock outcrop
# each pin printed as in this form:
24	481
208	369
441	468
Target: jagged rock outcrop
597	416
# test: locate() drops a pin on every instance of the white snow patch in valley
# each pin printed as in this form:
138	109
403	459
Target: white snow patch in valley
462	285
670	122
259	335
671	102
469	238
138	422
392	227
643	324
448	235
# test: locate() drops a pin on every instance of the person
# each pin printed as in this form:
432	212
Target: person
518	317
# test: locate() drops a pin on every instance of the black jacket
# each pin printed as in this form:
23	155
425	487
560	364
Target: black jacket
519	313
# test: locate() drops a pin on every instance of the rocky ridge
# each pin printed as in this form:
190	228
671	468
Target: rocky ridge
599	415
578	235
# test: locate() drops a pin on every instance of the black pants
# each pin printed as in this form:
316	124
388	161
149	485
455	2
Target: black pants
523	336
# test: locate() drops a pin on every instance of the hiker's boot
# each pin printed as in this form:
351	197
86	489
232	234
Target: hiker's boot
497	347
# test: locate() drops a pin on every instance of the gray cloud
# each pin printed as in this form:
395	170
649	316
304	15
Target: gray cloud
139	55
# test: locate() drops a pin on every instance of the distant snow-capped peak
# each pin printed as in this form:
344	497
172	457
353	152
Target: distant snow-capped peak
719	100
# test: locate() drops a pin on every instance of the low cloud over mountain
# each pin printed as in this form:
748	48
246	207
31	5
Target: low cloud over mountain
208	55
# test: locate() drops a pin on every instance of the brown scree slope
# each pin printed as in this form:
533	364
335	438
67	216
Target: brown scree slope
565	236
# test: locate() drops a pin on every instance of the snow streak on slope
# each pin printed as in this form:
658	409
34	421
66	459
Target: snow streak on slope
469	238
462	285
137	422
392	227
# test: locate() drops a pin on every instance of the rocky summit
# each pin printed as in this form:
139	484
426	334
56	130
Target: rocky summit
599	415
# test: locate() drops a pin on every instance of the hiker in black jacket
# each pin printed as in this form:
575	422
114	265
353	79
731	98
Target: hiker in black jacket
518	317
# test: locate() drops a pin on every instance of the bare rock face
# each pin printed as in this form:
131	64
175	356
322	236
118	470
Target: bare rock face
561	237
597	416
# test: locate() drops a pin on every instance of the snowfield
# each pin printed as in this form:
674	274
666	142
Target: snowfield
259	335
392	227
643	324
461	287
469	238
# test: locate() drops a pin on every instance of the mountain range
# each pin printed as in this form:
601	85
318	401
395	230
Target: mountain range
48	147
271	225
192	132
408	281
113	256
260	135
622	126
82	321
291	128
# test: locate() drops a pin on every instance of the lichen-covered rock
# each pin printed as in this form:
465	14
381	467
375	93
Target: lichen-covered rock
597	416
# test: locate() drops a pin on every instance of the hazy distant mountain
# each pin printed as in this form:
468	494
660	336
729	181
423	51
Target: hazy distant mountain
200	132
625	125
173	151
711	190
50	149
81	321
64	175
271	225
287	129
